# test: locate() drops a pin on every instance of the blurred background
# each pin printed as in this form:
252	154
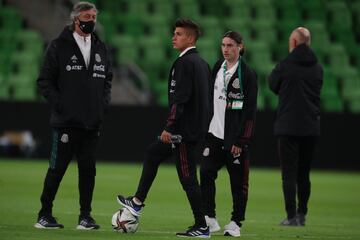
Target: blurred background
138	34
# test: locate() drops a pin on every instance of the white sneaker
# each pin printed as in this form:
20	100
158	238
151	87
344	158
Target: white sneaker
212	223
232	229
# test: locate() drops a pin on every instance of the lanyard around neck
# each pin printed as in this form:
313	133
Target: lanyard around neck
239	75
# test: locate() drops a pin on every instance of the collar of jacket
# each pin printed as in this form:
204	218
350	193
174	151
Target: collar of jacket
218	64
67	34
190	51
303	55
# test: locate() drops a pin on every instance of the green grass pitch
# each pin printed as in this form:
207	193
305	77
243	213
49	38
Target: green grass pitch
334	209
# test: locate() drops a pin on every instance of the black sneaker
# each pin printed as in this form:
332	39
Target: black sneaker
301	219
195	231
87	223
48	222
134	208
292	222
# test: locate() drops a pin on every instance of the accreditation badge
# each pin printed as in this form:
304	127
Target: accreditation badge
237	105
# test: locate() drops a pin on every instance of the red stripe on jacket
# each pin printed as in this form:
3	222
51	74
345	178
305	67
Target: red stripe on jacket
184	161
172	115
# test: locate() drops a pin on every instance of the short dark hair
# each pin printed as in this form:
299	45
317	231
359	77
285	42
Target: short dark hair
237	38
189	24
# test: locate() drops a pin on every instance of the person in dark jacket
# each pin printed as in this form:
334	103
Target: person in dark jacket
231	130
188	117
297	80
76	80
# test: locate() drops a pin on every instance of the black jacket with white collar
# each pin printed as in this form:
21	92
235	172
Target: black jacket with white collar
188	93
239	123
78	95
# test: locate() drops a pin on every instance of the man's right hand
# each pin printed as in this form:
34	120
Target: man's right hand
165	137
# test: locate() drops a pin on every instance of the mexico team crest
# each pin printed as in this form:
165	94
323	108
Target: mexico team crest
236	83
97	57
206	152
64	138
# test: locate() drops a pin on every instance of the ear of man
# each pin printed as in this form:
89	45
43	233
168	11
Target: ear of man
191	36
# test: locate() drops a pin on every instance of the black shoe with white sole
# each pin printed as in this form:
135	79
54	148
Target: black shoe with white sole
48	222
196	232
301	219
129	203
290	222
87	223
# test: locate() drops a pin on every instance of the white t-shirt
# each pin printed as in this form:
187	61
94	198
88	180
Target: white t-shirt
217	123
84	44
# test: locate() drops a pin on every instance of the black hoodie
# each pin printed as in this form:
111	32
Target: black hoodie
78	95
297	80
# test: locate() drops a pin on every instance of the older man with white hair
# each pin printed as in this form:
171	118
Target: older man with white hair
297	80
76	81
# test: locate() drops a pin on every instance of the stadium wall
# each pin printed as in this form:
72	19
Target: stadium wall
128	130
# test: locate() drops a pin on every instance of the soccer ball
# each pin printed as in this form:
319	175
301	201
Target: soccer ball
124	221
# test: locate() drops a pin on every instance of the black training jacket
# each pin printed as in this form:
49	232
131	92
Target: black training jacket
297	80
188	93
78	96
239	124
